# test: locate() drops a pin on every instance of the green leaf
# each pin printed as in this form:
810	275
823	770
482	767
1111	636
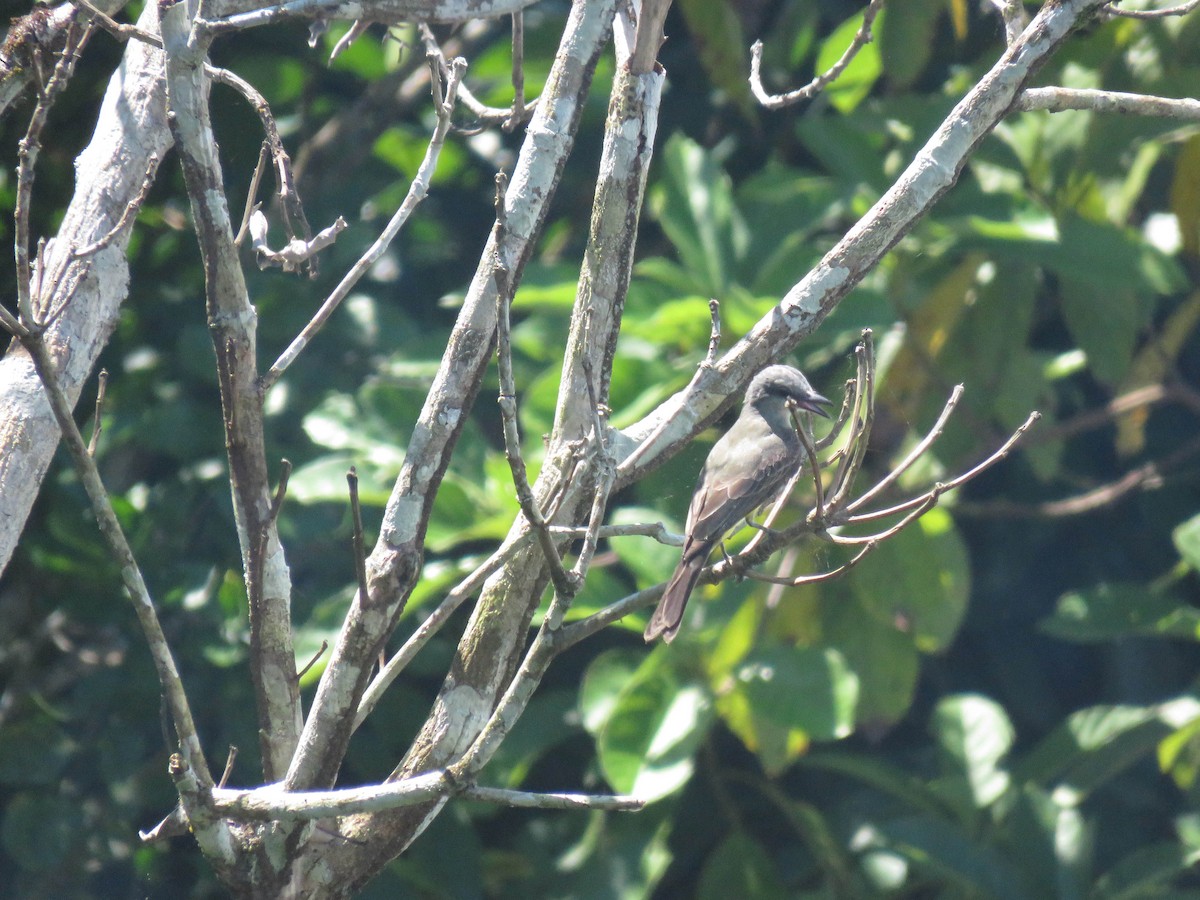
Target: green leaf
1096	744
883	776
883	659
646	746
857	79
906	39
740	867
975	735
1187	541
694	204
918	581
782	697
1111	611
605	678
649	560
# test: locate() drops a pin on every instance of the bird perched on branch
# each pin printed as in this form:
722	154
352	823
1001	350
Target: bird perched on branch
746	469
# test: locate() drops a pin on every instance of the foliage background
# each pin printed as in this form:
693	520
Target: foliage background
999	703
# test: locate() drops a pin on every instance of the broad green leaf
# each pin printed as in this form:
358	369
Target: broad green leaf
1179	754
882	658
694	204
649	560
1096	744
646	746
1105	324
780	698
740	867
1054	843
605	678
906	39
918	581
1111	611
880	774
857	79
1185	194
1187	541
975	735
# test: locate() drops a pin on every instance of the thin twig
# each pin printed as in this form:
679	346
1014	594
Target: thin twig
416	193
788	581
27	154
285	473
98	425
360	549
353	33
294	219
1014	16
119	31
432	624
313	660
714	334
916	453
127	215
1181	10
484	114
264	157
1060	99
953	483
563	580
531	800
777	101
518	115
230	759
174	696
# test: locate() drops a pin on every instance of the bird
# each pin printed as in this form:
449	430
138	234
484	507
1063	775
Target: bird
746	469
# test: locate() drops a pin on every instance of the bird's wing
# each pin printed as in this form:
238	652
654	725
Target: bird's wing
735	482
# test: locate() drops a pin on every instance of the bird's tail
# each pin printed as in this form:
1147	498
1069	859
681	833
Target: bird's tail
669	613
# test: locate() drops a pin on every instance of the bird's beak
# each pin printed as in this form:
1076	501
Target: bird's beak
814	403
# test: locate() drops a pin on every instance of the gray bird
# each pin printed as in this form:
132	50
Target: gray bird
746	469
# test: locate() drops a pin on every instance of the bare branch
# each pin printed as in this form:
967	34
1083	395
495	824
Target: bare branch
1014	16
116	29
359	545
430	626
27	154
127	216
778	101
131	574
232	322
919	450
1060	99
1181	10
417	192
98	425
528	800
484	114
301	243
564	581
271	803
388	12
297	252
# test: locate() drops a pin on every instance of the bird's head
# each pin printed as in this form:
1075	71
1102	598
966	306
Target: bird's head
789	385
